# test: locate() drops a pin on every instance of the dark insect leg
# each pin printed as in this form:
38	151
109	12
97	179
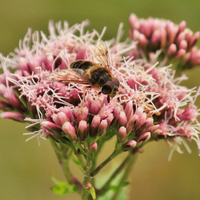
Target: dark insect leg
108	99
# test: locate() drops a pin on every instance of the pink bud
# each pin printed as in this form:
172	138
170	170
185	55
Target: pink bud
116	112
13	115
60	118
129	110
69	131
143	41
130	124
12	99
172	31
102	128
155	38
95	106
180	37
132	20
181	26
180	53
122	134
188	35
81	113
122	119
194	39
51	127
68	113
94	125
172	49
82	130
136	35
129	145
94	147
110	118
183	45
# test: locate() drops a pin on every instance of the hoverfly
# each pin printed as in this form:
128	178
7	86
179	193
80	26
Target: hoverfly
94	74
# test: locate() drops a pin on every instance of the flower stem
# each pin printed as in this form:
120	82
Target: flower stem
113	155
132	158
86	177
114	175
63	159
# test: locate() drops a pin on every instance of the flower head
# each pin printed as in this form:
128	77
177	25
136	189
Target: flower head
150	104
177	42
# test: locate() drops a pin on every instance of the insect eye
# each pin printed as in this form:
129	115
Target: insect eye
115	82
107	88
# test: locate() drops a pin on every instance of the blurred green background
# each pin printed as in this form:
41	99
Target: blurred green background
25	167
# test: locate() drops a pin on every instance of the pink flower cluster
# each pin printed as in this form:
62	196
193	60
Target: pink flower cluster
150	105
176	41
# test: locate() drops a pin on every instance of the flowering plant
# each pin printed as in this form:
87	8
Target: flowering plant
151	104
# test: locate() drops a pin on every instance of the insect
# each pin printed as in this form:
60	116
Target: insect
94	74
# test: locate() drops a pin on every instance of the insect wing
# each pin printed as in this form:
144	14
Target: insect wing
101	54
66	76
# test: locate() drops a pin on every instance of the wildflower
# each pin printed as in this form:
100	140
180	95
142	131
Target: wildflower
150	104
176	41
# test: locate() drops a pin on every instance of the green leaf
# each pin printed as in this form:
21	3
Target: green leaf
93	194
62	187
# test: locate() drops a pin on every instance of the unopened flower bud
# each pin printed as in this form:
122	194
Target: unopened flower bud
122	134
94	147
51	127
116	112
182	26
94	125
172	49
82	129
95	106
69	131
129	110
122	119
194	39
129	145
110	118
13	100
180	53
81	113
183	45
13	115
68	113
102	127
60	118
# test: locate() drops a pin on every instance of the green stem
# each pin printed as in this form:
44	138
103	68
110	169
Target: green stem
114	175
112	156
63	159
132	159
86	177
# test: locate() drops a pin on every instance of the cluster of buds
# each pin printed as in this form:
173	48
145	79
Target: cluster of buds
150	105
176	41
